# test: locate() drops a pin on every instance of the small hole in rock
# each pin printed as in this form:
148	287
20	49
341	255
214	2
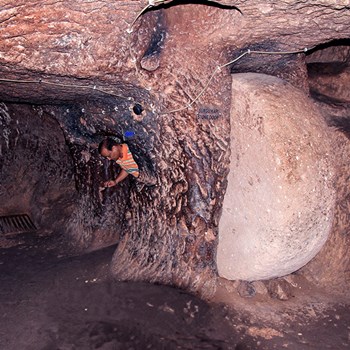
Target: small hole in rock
137	109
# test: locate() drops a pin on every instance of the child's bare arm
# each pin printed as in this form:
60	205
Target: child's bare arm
121	176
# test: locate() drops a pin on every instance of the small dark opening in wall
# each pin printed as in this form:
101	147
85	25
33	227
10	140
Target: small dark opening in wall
137	109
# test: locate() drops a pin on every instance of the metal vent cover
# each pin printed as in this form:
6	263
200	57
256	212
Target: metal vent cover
13	224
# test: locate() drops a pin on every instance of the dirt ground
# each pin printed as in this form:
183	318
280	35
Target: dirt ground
52	302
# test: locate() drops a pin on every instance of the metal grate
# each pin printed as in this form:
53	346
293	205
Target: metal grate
12	224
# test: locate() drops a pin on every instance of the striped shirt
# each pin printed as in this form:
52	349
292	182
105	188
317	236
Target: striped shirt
127	161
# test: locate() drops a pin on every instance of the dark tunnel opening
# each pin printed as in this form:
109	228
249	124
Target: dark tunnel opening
36	168
50	167
47	176
328	68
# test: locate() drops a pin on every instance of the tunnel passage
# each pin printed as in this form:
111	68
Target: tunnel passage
88	214
170	234
51	172
36	171
151	226
329	75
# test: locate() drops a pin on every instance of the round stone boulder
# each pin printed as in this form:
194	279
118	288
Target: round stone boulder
278	208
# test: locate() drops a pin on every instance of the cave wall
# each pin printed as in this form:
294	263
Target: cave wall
331	267
36	168
66	55
329	81
329	72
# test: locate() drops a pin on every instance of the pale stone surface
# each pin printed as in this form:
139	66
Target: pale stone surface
278	208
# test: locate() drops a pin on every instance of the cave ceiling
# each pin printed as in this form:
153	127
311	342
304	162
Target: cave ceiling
117	46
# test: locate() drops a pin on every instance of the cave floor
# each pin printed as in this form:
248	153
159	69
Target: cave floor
52	302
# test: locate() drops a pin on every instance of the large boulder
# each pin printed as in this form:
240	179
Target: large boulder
278	208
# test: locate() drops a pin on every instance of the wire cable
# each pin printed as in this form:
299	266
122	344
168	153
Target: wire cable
218	69
205	88
40	81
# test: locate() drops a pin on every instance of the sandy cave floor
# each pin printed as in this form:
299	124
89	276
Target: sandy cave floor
51	302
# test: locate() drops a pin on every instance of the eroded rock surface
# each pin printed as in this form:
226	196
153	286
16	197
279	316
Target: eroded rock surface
37	175
330	268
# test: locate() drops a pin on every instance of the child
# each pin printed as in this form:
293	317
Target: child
120	153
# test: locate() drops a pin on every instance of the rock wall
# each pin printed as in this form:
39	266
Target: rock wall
88	63
327	70
36	169
330	268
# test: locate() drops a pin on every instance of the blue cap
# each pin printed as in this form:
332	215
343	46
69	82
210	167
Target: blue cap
129	133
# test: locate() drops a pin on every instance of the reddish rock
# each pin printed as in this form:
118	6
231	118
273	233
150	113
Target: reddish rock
82	62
